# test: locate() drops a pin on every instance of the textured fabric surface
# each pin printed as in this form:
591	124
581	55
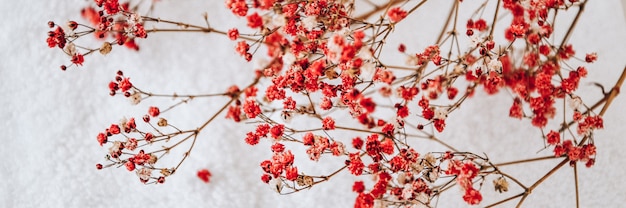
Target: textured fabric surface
50	119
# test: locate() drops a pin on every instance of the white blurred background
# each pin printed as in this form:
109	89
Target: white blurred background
50	118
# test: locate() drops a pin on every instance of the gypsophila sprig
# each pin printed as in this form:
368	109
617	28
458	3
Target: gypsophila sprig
325	64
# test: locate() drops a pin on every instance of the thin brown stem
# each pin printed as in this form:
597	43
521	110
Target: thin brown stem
495	18
445	26
185	27
614	92
377	9
606	100
505	200
576	185
581	8
193	143
525	161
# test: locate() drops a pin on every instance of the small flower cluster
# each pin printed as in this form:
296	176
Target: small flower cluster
108	17
250	107
204	175
317	56
465	172
121	84
56	37
124	152
414	179
117	19
396	14
323	62
135	151
281	162
585	153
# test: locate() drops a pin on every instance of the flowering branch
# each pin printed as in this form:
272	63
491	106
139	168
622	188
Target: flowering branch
325	68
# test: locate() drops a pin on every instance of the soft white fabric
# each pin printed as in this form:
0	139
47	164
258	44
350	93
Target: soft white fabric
50	118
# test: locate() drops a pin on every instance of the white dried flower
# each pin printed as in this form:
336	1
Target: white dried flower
401	179
575	102
134	18
122	123
105	48
441	113
115	148
289	58
304	180
278	20
501	185
495	65
134	98
166	172
144	174
417	168
429	159
407	191
344	31
458	70
380	204
365	53
162	122
70	49
432	175
367	69
411	60
332	46
309	22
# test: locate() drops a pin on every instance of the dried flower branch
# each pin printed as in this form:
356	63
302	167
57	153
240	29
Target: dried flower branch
326	67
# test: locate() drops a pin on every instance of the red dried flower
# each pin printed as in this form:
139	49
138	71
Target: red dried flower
251	108
78	59
472	196
238	7
154	111
130	166
112	6
358	187
266	178
204	175
278	147
114	129
553	137
102	138
148	137
242	48
357	142
356	165
140	32
328	123
233	34
277	131
125	84
291	173
591	57
56	38
72	25
396	14
255	21
252	138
